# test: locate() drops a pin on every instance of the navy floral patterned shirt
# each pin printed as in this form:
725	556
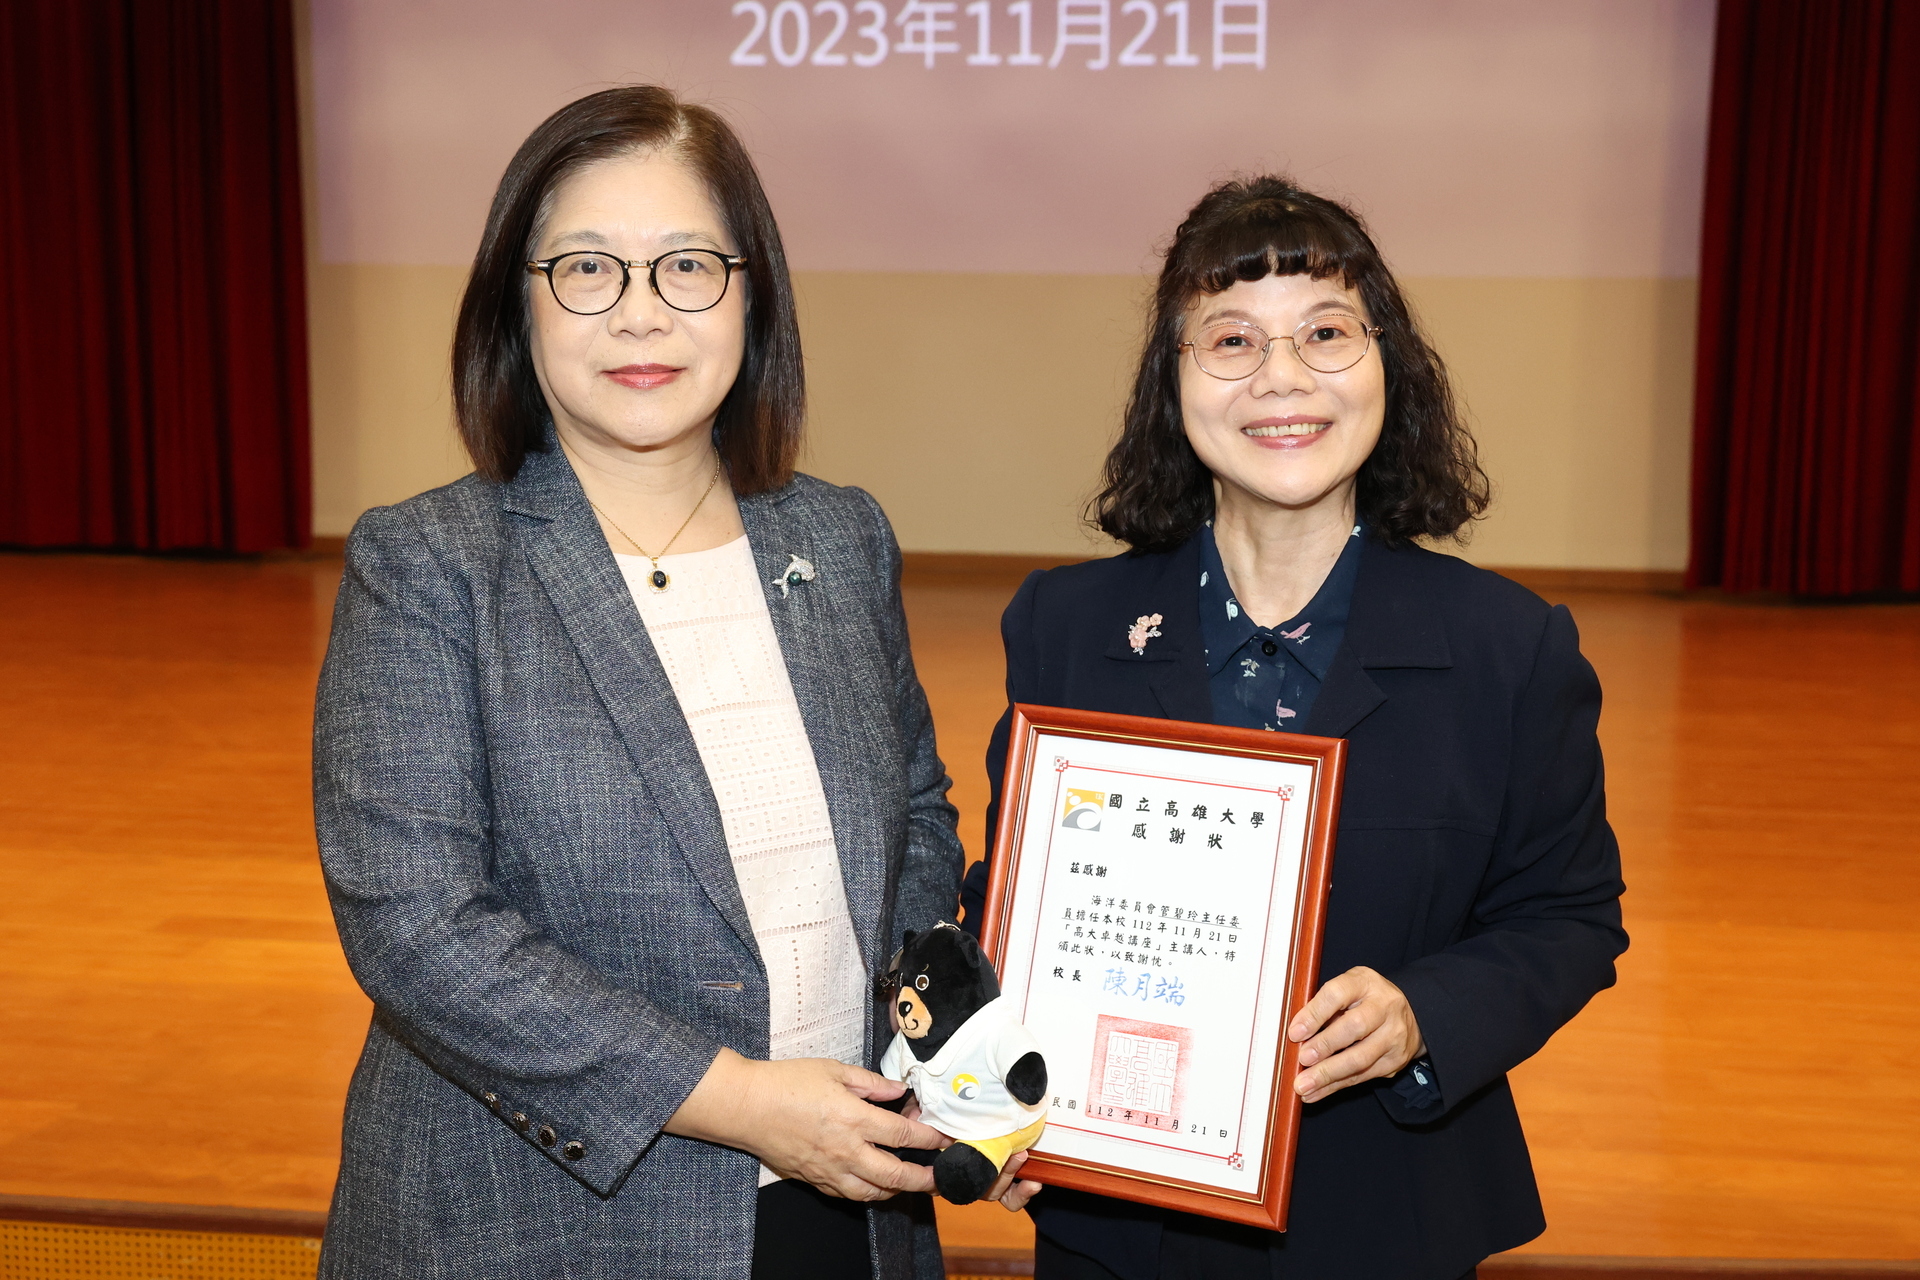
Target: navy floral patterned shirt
1268	677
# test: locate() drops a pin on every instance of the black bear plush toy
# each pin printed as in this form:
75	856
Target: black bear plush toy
978	1074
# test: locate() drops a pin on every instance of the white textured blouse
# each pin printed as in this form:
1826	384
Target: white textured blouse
716	640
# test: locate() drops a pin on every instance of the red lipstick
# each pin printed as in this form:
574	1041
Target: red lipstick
1295	431
643	377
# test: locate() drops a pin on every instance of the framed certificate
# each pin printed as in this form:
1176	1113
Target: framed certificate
1155	911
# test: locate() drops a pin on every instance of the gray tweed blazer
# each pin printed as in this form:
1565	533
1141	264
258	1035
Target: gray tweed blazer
527	869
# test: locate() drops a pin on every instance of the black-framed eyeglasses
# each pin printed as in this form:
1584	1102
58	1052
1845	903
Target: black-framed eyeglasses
1325	344
589	283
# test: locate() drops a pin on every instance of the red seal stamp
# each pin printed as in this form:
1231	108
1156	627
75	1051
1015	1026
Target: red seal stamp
1139	1073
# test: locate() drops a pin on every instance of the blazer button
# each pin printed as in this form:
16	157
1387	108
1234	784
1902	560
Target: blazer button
574	1151
520	1121
547	1136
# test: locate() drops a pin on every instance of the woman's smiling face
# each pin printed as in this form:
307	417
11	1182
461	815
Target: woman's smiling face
641	375
1288	436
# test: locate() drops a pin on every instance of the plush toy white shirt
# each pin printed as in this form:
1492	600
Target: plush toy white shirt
962	1089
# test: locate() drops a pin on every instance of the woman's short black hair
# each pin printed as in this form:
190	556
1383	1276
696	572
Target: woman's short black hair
496	398
1422	479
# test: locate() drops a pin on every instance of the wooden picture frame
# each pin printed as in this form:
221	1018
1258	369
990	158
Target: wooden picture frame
1188	1108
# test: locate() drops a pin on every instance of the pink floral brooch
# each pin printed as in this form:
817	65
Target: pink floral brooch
1144	628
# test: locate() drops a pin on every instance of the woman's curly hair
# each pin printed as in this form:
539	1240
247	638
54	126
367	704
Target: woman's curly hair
1423	478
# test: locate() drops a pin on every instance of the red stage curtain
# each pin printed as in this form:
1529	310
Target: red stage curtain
1806	474
153	351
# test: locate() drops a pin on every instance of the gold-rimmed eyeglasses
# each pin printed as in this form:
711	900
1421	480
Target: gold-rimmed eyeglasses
589	283
1326	344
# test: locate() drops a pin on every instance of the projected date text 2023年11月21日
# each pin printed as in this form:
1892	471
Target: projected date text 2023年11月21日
1094	35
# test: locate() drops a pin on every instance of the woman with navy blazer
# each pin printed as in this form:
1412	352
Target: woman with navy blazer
1290	436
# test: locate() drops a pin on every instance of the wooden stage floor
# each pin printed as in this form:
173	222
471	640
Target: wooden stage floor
179	1024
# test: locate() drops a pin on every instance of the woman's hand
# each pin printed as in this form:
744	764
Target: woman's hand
807	1118
1362	1029
1010	1192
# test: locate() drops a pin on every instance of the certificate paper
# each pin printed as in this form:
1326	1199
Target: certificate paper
1155	910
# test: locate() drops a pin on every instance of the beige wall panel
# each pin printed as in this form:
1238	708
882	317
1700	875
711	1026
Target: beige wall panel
382	409
977	408
1580	393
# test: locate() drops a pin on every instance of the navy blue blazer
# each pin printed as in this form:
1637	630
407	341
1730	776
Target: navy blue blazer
1474	867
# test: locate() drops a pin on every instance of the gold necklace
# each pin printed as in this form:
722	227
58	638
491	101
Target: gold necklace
658	579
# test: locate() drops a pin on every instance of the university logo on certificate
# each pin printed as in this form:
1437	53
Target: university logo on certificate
1155	911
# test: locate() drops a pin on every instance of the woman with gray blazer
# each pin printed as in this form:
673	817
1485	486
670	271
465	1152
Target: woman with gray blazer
625	785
